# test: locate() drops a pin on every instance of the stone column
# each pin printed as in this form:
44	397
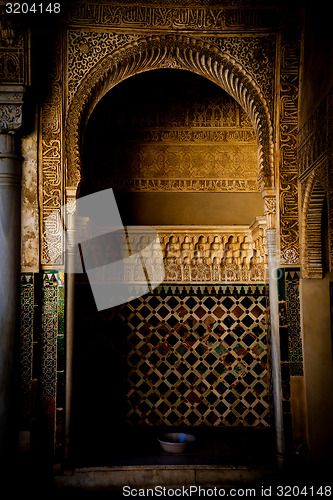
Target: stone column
273	265
71	248
11	99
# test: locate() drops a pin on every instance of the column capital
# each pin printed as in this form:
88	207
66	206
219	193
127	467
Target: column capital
11	103
269	198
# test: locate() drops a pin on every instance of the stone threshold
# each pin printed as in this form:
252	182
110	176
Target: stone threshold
115	478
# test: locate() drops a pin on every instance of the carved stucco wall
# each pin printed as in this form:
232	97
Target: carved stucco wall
243	53
251	53
14	76
315	163
169	130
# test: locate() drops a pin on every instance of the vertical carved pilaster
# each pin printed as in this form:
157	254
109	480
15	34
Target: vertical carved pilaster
288	174
270	208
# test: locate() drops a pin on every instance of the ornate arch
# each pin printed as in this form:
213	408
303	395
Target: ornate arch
312	228
169	51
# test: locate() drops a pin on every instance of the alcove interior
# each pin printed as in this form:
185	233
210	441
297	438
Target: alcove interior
133	134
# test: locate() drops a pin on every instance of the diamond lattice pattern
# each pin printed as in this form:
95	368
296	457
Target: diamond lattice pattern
198	359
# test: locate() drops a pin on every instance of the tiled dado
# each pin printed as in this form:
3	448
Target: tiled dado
41	343
290	326
28	308
290	339
198	356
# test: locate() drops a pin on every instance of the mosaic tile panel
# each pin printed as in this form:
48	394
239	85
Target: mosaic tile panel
27	307
41	350
60	366
198	356
290	341
49	333
52	332
293	314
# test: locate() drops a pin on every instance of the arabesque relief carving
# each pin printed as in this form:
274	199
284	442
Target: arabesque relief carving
149	54
86	48
182	134
131	52
51	166
312	139
163	16
288	175
210	254
314	143
164	167
13	64
10	117
256	54
215	254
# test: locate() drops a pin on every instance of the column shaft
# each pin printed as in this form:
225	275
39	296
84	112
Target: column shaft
10	211
275	343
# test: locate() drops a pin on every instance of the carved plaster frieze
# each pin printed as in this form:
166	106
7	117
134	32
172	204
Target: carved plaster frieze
177	140
288	172
311	226
185	136
86	48
179	185
214	254
245	50
204	254
13	51
142	167
51	165
10	118
313	140
166	15
270	210
315	164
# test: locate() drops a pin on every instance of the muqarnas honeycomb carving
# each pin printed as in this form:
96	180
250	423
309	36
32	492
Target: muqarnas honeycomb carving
198	356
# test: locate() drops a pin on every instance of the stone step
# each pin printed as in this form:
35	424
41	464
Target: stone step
123	479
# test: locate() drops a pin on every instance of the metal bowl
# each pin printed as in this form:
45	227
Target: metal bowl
176	442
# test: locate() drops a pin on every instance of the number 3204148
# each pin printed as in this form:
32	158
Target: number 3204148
34	8
303	491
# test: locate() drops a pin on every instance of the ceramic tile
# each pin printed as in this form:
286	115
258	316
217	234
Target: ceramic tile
198	357
27	309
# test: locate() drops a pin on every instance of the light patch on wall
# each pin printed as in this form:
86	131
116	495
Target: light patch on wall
29	205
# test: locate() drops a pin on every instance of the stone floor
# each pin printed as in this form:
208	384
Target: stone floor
226	459
231	447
